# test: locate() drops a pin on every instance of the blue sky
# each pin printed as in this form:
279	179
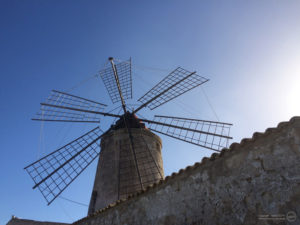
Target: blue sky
250	51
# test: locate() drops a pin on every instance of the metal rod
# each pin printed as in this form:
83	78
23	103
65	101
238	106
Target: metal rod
111	59
80	110
184	128
130	76
73	179
61	147
66	121
146	103
185	140
133	151
62	165
60	92
157	167
209	121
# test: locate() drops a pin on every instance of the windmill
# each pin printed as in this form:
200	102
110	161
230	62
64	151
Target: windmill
130	156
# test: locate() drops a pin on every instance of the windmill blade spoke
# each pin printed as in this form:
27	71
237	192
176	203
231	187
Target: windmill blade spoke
132	147
60	107
47	112
53	173
125	81
208	134
175	84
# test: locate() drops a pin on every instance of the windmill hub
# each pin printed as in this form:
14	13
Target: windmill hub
128	120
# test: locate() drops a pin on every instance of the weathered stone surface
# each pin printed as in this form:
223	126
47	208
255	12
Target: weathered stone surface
257	177
116	175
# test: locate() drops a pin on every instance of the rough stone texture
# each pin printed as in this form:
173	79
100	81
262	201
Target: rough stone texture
17	221
116	175
259	176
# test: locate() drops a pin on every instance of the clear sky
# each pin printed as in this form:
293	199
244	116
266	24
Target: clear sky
250	51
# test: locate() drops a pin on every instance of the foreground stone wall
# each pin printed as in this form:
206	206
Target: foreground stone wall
242	184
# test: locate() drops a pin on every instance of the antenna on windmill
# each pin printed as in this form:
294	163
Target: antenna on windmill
130	157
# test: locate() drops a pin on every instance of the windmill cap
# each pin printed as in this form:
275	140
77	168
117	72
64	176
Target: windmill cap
132	120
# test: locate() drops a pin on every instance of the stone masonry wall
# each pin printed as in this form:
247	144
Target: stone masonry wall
116	175
259	176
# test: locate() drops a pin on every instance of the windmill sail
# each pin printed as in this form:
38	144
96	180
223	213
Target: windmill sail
135	158
125	80
175	84
208	134
64	107
53	173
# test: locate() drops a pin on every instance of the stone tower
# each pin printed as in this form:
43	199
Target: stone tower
117	175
